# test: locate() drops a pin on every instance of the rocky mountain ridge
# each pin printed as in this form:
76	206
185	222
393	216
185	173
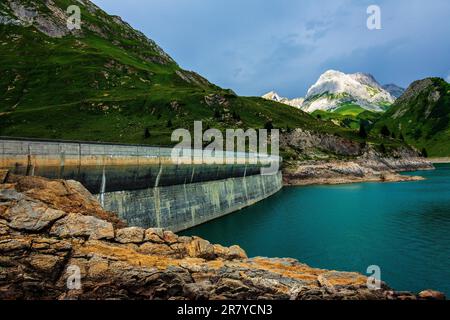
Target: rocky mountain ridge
394	90
273	96
335	89
421	116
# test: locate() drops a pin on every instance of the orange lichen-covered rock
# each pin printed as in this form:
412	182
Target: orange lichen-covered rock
52	233
69	196
130	235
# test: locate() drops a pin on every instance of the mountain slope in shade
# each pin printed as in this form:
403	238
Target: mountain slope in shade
335	89
421	116
394	90
273	96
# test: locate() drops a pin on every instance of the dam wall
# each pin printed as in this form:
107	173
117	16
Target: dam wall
184	206
141	183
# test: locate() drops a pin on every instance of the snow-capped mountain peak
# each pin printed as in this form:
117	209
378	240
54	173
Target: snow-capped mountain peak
273	96
335	89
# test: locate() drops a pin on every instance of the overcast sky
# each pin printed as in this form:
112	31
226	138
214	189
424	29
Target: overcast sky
254	46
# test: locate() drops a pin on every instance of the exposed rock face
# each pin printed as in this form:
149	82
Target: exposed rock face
334	89
192	77
342	172
66	195
31	216
76	225
309	144
357	162
130	235
51	18
394	90
25	14
216	100
399	161
62	247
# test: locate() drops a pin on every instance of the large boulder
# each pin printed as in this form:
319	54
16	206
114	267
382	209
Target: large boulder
154	235
130	235
31	216
75	225
68	196
200	248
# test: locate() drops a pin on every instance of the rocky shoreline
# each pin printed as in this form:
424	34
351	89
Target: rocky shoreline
355	171
332	159
440	160
53	233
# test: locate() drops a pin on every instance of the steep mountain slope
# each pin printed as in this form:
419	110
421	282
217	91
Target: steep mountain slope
335	89
394	90
273	96
421	116
109	82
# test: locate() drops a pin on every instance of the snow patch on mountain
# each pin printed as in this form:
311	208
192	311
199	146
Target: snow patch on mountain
273	96
335	88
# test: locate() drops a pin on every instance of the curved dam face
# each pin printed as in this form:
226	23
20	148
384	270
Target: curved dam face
141	183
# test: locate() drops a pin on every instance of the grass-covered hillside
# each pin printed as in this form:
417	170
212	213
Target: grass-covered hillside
349	116
421	117
109	82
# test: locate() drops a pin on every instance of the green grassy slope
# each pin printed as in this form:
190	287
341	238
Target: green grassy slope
422	116
108	82
348	116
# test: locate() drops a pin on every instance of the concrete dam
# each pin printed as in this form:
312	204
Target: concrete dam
141	183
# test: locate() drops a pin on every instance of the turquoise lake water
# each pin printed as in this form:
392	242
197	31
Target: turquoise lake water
402	227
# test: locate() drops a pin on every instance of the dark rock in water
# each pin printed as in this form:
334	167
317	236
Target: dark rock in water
51	248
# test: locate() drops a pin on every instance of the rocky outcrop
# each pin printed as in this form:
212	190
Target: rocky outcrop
399	162
50	18
53	23
343	172
331	159
66	195
310	144
371	166
313	145
52	249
